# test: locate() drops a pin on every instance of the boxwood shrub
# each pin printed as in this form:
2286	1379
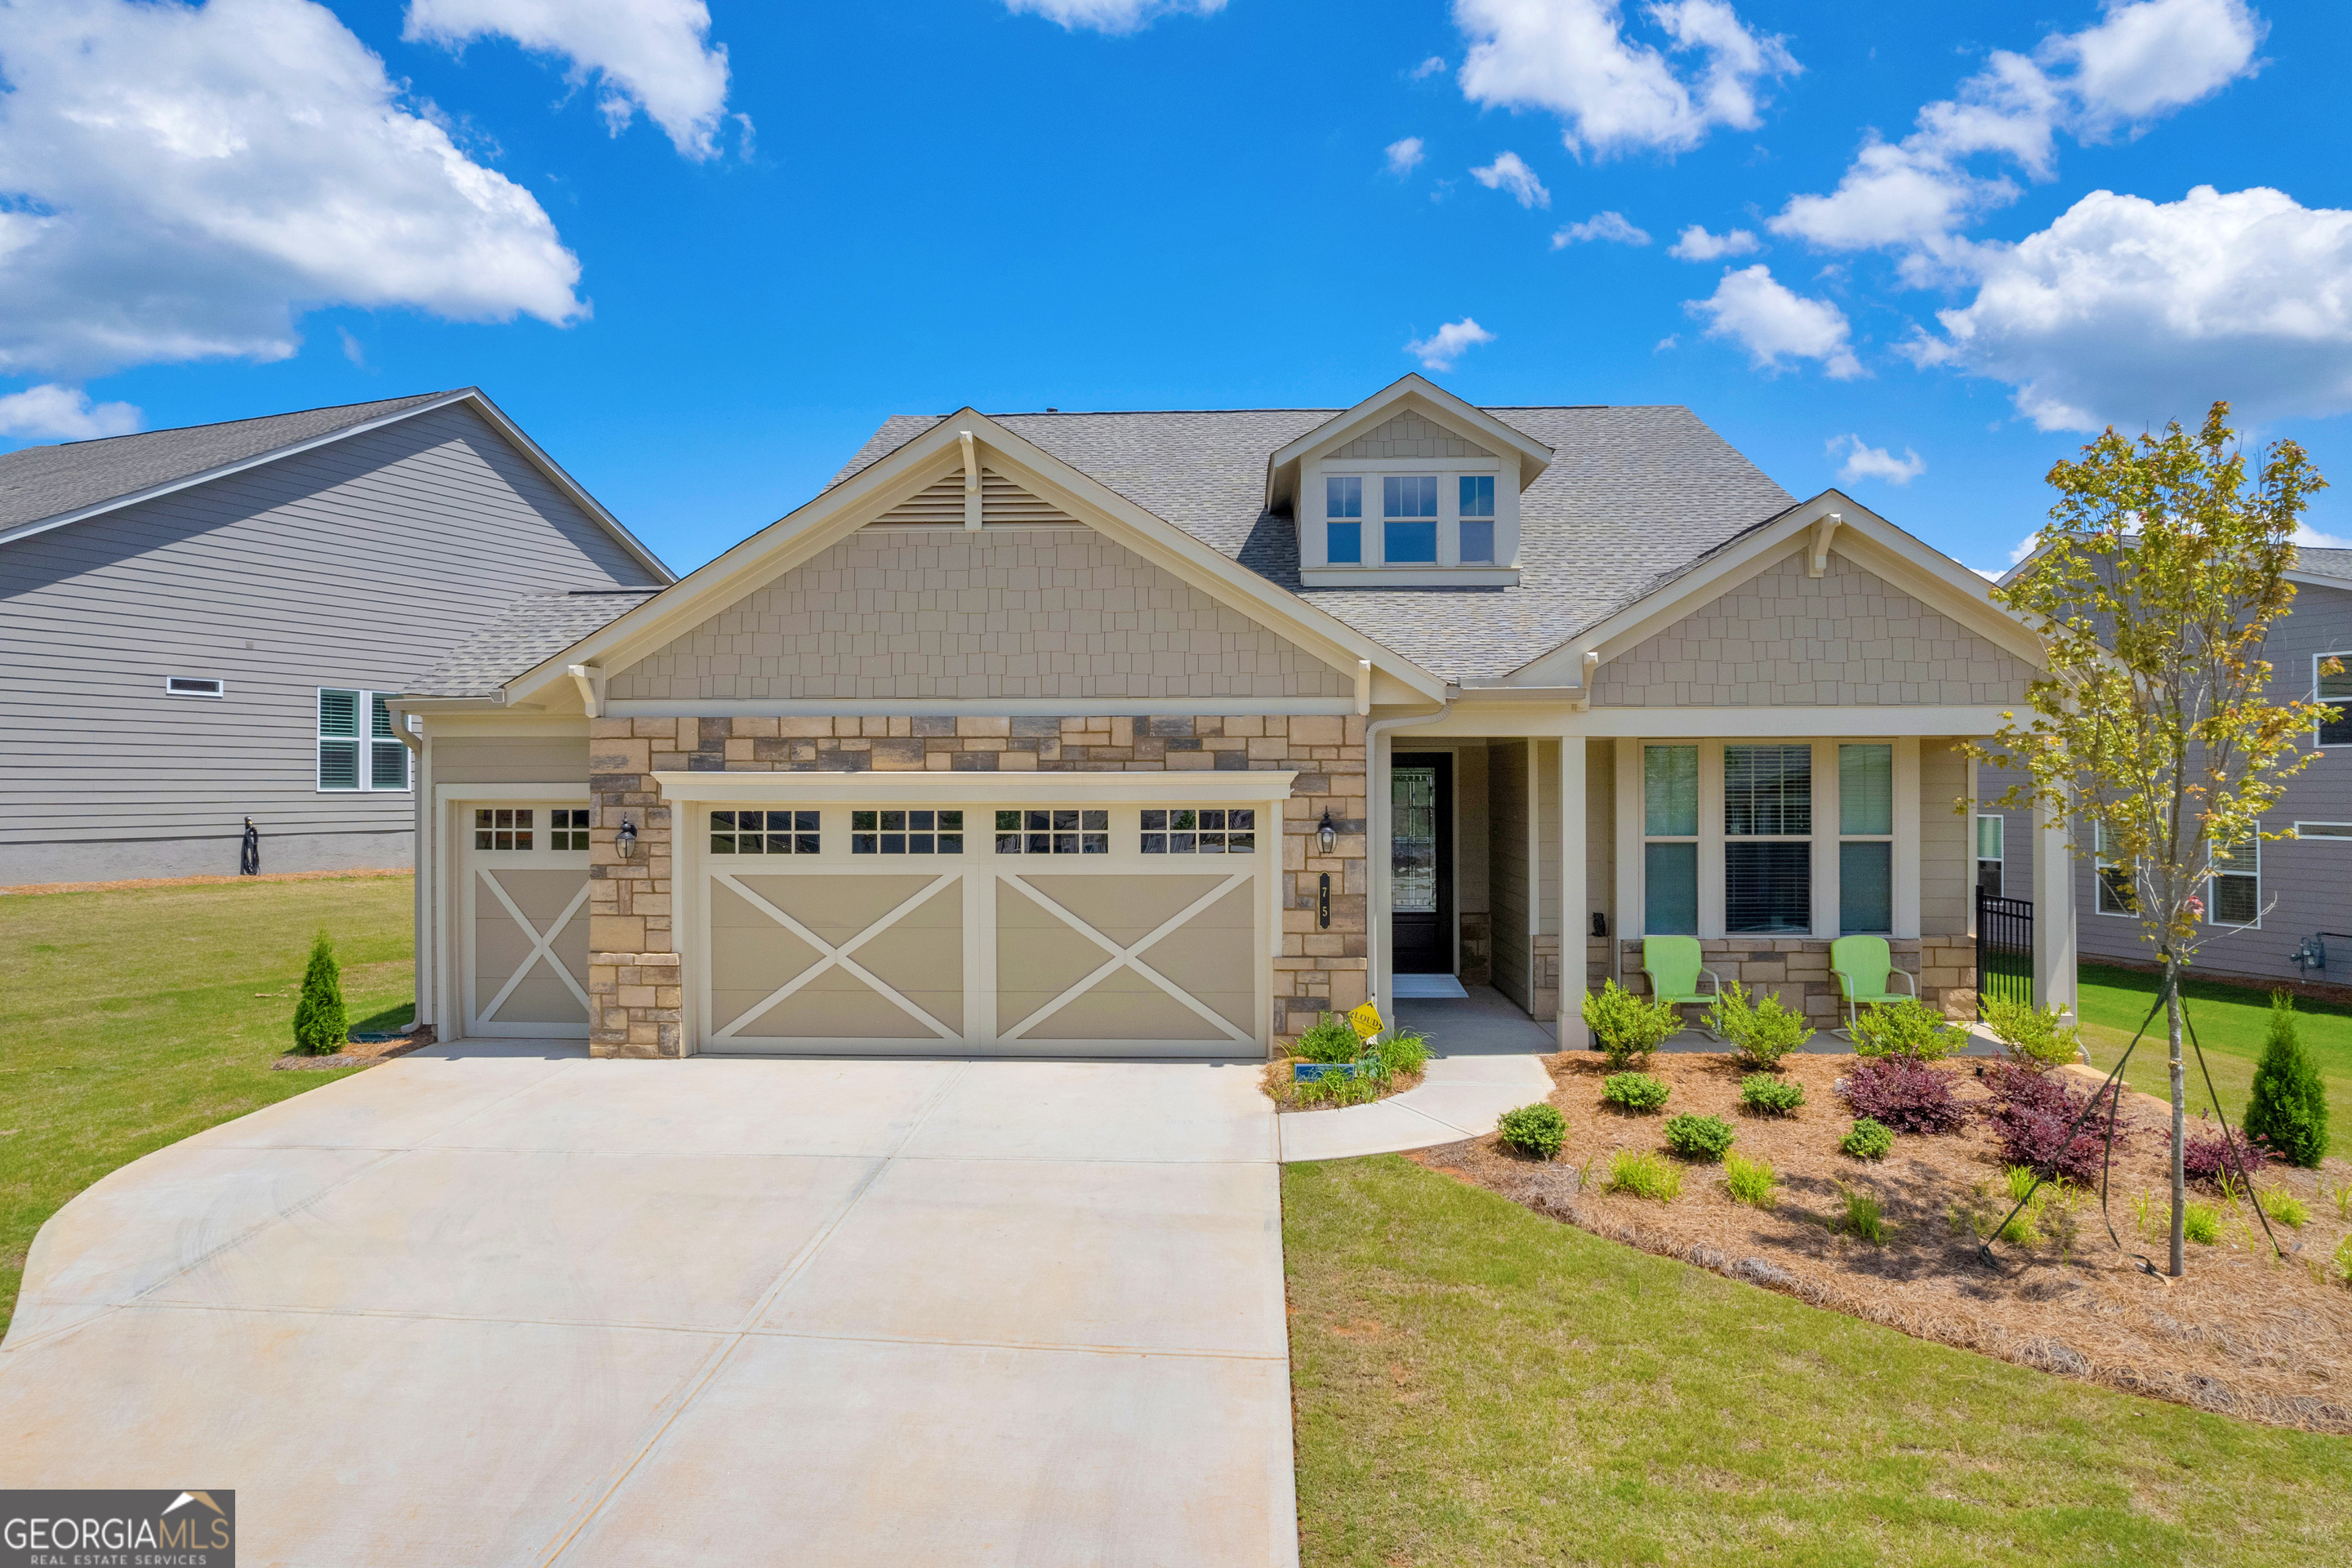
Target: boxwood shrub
1699	1137
1768	1095
1635	1091
1538	1129
1868	1141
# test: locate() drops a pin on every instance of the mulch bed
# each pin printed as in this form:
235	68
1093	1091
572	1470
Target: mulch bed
358	1054
2269	1340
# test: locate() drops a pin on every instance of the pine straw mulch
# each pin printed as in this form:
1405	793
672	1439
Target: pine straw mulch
2266	1340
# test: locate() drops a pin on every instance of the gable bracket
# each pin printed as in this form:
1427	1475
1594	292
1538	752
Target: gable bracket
972	517
1817	559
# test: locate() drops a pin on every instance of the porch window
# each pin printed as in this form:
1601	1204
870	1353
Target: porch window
2235	899
1768	850
1670	840
1992	829
1866	839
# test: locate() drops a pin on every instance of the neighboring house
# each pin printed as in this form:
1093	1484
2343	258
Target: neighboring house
199	626
2281	897
1161	732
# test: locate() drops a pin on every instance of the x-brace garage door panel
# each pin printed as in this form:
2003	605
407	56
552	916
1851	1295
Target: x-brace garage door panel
800	958
525	948
1126	958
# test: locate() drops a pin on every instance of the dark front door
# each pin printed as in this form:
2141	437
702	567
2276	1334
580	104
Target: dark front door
1421	861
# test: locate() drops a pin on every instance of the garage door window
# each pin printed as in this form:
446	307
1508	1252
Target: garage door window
1053	831
503	827
905	833
1200	832
763	832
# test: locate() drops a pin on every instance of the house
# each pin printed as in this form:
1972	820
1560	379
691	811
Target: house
200	626
2281	911
1160	734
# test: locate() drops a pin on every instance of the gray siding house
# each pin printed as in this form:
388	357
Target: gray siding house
2281	897
195	625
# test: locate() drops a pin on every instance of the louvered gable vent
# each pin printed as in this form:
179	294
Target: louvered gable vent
1003	504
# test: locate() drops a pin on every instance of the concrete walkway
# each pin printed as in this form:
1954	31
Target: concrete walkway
1458	1097
517	1306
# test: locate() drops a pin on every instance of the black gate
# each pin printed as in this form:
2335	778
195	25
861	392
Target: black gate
2004	951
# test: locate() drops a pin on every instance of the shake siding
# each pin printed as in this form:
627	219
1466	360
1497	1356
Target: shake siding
352	565
1946	852
1506	776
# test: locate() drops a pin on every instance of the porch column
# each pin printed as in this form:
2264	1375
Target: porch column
1575	908
2053	911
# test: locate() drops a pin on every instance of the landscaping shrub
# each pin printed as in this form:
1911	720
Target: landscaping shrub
2342	1262
2342	1193
1699	1137
1751	1181
2288	1110
1863	1216
2029	1116
2033	1036
1336	1092
2284	1206
1403	1052
1868	1141
1906	1096
1634	1092
1644	1176
1769	1096
2215	1159
1627	1027
1330	1040
1906	1030
2201	1224
1761	1034
321	1026
1538	1129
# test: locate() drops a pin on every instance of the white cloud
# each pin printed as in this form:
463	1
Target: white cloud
1428	67
1404	156
2125	309
1697	245
1113	16
1752	309
2304	534
352	350
56	413
178	183
1616	94
1875	462
1441	349
1610	225
1508	173
652	55
2143	58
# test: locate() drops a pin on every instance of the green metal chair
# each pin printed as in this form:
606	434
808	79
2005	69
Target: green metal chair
1863	965
1672	962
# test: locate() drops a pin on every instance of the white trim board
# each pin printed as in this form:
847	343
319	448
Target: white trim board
1188	786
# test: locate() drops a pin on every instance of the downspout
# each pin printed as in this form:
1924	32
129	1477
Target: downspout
1376	851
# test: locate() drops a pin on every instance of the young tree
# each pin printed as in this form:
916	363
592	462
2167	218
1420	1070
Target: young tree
321	1023
2288	1107
2152	735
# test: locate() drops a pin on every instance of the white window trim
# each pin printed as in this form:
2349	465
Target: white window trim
1835	914
2340	832
1373	567
368	741
219	687
2346	655
2100	860
2212	889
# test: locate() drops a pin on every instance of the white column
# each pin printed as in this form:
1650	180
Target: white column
1825	840
2053	911
1379	990
1575	915
1711	914
1906	853
1629	826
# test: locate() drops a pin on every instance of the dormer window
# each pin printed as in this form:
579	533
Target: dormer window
1343	498
1477	519
1408	520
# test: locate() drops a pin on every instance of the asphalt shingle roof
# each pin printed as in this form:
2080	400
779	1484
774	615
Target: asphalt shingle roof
527	633
1634	498
37	482
2324	562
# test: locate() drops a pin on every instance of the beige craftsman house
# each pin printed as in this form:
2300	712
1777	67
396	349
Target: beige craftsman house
1158	733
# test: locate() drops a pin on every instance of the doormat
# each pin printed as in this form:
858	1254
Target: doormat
1426	986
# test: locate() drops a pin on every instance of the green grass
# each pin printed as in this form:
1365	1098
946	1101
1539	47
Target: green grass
131	1020
1476	1383
2232	1021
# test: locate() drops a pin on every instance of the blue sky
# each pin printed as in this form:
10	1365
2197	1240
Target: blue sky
699	278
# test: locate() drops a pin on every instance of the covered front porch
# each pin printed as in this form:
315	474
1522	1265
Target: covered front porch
1762	843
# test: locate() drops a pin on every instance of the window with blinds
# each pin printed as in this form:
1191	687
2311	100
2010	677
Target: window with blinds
1866	839
1768	852
2116	892
359	748
2331	683
2235	898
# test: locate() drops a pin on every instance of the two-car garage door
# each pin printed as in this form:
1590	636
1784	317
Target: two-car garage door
1016	930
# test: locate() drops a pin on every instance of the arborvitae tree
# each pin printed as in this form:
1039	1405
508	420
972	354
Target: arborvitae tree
2289	1110
320	1025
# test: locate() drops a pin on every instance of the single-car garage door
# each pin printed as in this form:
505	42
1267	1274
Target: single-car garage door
523	904
1122	927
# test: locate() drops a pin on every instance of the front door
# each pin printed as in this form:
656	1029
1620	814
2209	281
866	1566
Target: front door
1421	862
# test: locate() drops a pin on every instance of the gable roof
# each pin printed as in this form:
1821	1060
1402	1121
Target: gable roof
43	488
1633	498
534	627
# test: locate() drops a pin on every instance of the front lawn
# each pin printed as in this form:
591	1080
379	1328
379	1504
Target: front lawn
2232	1021
135	1017
1476	1383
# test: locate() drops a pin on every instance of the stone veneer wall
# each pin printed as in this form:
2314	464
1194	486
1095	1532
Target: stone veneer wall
1798	968
633	970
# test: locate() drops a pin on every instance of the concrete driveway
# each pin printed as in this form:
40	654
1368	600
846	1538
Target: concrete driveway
514	1306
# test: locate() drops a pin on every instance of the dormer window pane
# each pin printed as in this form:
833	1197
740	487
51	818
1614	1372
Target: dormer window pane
1477	541
1477	494
1343	497
1412	495
1405	500
1343	543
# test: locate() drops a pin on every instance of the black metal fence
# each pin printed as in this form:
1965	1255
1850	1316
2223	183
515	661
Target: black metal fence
2004	951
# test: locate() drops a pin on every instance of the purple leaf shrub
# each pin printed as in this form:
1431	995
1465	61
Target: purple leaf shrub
2208	1158
1907	1096
2032	1116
